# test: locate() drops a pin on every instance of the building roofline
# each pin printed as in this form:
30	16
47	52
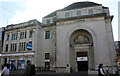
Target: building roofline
84	16
22	25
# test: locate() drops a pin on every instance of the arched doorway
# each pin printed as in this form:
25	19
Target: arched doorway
81	51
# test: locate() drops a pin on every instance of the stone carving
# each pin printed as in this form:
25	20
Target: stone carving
81	39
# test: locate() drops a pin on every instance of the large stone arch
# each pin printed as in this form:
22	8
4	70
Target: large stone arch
67	43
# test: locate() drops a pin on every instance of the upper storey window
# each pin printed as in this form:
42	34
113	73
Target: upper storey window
67	14
30	33
8	37
78	13
14	36
22	35
47	35
90	11
48	21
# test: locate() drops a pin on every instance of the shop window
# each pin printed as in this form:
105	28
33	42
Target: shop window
67	14
21	63
6	50
47	35
29	58
78	13
47	55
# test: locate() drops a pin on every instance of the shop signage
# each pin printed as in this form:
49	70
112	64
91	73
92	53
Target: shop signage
17	54
79	20
47	60
29	46
82	59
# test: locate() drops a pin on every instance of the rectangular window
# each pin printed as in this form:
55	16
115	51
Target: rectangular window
23	35
11	47
30	33
22	46
14	36
78	13
67	14
6	50
15	46
47	55
47	35
90	11
19	46
8	36
48	21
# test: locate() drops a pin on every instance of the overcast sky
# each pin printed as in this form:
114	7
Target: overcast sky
17	11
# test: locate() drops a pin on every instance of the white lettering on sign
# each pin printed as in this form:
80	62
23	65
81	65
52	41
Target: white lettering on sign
82	59
47	60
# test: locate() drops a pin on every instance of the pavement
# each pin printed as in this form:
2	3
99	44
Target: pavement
82	73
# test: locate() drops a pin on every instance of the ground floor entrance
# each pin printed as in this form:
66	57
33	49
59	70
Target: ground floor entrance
82	65
82	61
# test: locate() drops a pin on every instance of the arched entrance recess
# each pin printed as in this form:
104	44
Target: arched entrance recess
81	51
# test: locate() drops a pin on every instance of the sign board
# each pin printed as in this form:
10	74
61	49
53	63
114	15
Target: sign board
80	21
47	60
82	59
29	46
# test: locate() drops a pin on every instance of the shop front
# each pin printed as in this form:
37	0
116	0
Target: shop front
17	61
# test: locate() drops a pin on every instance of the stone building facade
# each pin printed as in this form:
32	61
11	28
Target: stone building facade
19	44
78	36
1	38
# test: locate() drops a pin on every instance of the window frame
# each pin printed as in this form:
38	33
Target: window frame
47	34
90	11
67	14
48	21
78	13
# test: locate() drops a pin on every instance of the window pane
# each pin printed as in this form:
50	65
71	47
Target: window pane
47	36
90	11
67	14
7	37
48	21
30	33
6	50
78	13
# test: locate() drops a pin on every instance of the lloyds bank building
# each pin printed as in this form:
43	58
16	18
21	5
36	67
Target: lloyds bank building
78	36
